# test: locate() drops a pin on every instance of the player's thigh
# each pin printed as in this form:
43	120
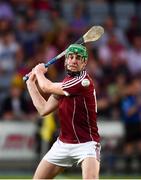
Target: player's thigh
46	170
90	168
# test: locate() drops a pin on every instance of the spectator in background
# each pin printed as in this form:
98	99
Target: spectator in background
134	55
112	56
28	35
5	25
20	59
79	22
47	132
6	11
58	23
94	67
67	8
42	5
116	91
131	115
15	106
111	28
61	42
132	29
20	7
8	49
103	101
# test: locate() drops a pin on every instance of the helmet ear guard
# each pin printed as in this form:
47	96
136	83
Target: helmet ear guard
78	49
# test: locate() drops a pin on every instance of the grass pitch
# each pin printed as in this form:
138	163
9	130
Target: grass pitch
69	176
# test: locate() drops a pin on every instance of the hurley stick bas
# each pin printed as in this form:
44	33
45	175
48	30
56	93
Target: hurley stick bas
93	34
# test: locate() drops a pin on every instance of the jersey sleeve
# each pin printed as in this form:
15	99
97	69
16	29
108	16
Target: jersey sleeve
76	86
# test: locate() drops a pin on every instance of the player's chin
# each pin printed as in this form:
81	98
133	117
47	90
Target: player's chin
73	68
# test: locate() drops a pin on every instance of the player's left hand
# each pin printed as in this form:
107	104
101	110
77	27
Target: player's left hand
40	68
32	78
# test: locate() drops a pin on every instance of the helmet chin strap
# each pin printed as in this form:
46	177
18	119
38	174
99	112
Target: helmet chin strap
71	73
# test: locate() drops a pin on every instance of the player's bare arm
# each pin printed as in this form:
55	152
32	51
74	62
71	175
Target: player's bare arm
43	107
45	84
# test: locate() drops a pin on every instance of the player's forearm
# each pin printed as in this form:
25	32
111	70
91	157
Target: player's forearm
51	105
47	86
44	83
38	101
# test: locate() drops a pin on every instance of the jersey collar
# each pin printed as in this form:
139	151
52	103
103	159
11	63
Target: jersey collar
74	74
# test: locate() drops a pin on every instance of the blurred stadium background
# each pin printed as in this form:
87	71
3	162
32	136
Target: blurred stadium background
33	31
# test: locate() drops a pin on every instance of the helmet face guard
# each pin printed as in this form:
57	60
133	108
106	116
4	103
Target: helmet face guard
78	49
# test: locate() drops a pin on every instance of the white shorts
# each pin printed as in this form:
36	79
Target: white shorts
67	155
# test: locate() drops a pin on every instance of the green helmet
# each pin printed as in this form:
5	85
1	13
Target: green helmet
79	49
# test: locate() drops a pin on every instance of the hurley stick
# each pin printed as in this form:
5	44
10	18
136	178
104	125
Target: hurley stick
93	34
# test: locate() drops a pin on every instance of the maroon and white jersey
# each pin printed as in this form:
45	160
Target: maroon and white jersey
77	110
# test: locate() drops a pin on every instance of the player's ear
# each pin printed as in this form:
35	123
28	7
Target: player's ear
85	62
